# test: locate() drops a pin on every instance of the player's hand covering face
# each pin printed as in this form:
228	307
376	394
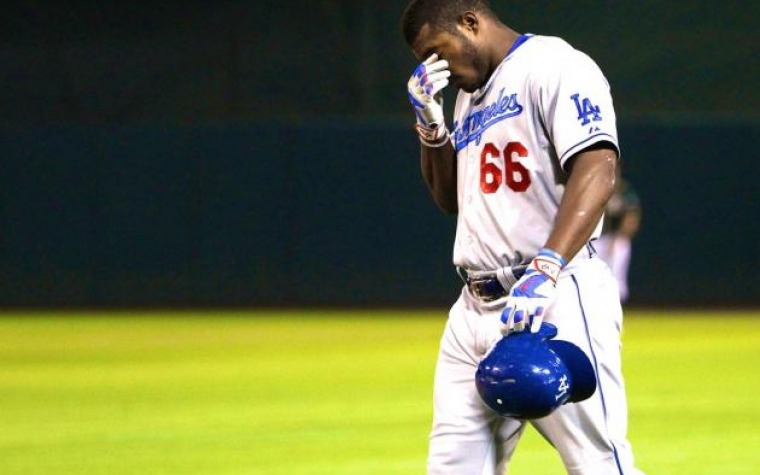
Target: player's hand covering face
425	86
424	89
468	70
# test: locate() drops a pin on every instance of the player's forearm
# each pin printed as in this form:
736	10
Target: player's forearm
439	170
591	183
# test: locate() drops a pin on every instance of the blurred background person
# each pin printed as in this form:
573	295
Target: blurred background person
622	220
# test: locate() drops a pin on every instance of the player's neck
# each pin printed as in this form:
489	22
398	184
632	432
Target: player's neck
507	38
503	39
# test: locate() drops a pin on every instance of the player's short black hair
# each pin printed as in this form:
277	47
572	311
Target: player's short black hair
440	14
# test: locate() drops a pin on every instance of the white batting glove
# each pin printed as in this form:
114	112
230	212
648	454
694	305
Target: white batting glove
424	88
532	294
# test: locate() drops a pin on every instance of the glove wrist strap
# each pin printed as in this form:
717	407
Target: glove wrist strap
548	262
432	137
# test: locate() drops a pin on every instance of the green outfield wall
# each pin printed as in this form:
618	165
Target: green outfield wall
329	214
195	61
193	153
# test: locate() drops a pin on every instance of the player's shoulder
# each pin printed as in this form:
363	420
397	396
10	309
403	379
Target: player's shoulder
547	42
552	54
550	47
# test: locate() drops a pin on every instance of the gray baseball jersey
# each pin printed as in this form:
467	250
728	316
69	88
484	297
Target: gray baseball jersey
544	102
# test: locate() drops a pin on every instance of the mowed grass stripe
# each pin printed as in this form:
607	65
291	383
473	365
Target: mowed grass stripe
692	383
290	392
209	393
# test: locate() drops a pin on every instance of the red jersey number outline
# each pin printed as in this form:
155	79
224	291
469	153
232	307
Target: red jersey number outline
516	176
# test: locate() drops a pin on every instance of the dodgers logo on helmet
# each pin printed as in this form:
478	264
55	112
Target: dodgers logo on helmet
527	376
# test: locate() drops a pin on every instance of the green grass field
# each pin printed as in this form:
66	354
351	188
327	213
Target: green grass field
284	393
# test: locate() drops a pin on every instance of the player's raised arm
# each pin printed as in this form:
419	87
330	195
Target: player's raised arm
437	156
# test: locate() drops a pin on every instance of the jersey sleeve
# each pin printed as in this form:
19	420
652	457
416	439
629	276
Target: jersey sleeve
576	105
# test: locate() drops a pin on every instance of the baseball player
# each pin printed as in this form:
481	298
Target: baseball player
527	165
622	219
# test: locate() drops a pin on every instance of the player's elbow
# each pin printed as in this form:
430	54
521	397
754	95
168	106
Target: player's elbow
444	202
444	195
608	175
448	207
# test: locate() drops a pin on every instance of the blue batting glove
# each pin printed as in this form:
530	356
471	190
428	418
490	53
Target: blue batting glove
532	293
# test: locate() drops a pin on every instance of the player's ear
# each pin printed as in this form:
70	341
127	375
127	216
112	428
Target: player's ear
469	22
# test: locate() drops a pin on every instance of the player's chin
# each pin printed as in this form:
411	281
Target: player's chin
468	86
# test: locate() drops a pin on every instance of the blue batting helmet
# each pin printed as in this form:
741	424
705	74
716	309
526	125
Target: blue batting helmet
528	375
